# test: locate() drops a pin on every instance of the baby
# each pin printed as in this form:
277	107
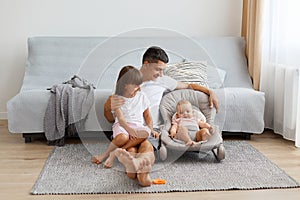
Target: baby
187	127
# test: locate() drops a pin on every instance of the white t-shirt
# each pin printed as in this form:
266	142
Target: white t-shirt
134	107
154	91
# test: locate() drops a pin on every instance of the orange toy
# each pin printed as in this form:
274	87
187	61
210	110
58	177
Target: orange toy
159	181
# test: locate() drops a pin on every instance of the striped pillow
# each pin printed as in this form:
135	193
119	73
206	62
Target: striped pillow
188	72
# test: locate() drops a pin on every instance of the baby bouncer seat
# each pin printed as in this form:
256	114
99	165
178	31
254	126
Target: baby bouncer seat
199	101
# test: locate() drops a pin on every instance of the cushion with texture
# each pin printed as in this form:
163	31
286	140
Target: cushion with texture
188	72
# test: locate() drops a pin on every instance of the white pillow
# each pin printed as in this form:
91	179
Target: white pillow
215	77
188	72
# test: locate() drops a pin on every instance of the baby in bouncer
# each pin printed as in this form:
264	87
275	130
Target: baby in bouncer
189	127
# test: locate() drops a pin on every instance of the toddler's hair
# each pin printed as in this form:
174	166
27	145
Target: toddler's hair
128	75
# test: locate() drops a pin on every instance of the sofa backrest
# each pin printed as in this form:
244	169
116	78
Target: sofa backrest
53	60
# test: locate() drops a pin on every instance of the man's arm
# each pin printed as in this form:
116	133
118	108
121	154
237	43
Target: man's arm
213	99
107	110
182	85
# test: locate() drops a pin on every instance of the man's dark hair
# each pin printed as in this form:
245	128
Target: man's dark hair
154	54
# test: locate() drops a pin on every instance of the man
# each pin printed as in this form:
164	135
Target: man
154	85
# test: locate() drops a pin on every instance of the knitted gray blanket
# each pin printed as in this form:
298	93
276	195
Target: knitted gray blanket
69	104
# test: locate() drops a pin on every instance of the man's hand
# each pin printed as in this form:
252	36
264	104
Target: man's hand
116	102
213	100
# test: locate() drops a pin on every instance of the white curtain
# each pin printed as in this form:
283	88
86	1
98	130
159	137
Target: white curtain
280	67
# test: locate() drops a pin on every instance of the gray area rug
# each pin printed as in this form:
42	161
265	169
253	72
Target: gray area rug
69	170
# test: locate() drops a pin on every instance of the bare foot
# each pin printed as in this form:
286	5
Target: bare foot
110	160
144	179
190	143
211	130
143	171
140	166
206	135
127	160
144	165
98	159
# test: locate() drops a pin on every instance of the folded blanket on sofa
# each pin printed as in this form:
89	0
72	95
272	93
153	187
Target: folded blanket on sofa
68	106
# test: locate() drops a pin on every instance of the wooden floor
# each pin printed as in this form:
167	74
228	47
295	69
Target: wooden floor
20	165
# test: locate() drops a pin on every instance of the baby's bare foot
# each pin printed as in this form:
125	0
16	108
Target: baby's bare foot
206	136
211	130
190	143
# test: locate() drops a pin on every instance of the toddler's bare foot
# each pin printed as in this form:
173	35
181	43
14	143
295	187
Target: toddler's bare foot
110	160
98	159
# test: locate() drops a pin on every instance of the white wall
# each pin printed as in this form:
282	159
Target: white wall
20	19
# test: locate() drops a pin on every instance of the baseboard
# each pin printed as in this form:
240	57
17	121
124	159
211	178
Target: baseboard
3	115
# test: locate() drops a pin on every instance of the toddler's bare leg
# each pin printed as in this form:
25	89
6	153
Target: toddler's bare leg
130	147
111	158
183	135
119	141
142	134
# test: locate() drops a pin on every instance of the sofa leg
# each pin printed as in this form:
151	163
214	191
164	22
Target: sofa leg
28	140
247	136
27	137
244	135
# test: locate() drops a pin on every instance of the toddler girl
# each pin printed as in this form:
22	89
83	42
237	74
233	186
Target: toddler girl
133	120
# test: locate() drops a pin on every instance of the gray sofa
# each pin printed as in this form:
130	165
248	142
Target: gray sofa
53	60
